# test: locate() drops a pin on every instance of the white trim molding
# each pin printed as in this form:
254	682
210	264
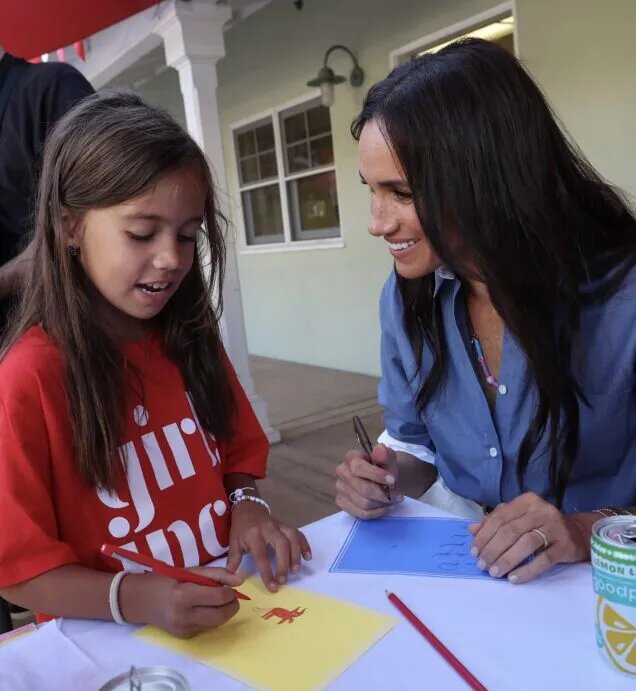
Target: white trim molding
193	40
288	244
456	29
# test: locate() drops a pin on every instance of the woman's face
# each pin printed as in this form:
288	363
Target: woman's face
393	215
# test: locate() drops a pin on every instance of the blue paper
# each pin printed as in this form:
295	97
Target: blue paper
409	546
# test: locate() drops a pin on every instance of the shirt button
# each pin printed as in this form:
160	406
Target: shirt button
493	452
503	389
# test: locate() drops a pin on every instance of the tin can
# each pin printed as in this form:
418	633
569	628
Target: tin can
147	679
613	552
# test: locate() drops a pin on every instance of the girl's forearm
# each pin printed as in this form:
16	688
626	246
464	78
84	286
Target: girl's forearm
76	591
234	481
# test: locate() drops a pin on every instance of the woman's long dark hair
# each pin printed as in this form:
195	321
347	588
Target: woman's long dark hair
109	149
483	154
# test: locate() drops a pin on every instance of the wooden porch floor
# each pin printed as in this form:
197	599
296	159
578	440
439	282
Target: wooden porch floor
312	407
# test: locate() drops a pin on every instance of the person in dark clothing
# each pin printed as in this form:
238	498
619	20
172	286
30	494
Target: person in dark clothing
32	98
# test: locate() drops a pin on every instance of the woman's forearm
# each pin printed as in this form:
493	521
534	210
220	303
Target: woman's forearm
414	476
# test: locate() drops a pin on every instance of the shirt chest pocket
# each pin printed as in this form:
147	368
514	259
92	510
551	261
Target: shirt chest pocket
605	430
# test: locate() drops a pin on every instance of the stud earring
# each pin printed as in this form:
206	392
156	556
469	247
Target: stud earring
73	250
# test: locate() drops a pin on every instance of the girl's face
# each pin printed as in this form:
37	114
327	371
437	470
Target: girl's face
393	215
137	253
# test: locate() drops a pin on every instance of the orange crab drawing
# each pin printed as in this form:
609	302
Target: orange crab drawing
284	615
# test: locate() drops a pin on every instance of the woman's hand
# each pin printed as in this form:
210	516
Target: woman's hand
181	609
359	483
514	531
253	530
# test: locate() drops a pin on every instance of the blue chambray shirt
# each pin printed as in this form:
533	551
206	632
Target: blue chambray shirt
476	449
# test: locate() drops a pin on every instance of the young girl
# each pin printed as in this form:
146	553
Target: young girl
121	418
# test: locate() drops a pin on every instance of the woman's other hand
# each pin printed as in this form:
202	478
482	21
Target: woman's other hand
526	526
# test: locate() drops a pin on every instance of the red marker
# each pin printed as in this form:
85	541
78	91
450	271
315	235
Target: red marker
163	569
412	618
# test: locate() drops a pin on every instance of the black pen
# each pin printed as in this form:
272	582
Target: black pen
365	443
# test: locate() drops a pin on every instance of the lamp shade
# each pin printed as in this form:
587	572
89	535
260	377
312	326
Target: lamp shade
29	28
326	76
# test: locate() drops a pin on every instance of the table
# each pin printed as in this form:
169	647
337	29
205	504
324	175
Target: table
526	637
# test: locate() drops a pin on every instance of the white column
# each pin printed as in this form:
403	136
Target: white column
193	40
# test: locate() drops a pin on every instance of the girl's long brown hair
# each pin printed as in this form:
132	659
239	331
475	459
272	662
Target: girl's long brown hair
109	149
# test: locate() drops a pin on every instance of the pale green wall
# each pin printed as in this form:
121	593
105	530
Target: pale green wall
163	90
583	53
320	306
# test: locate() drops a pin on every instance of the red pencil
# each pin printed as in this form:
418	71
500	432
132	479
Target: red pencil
472	681
163	569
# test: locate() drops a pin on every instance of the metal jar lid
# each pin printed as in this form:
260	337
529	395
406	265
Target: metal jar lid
619	531
147	679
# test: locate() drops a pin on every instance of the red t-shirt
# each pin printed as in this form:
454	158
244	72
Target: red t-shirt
170	501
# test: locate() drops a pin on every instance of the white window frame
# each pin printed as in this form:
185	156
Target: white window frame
267	182
456	30
288	244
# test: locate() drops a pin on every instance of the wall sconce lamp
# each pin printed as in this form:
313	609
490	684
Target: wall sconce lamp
327	77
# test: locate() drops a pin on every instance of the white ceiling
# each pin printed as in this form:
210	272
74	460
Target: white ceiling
154	62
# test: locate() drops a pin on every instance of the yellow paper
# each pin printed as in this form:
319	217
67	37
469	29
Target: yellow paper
17	633
292	639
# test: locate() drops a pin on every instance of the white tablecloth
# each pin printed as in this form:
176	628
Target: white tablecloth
537	636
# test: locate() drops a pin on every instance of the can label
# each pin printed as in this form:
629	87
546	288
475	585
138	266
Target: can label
614	577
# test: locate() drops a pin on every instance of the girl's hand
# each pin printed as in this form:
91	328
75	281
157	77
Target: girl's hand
252	530
359	483
181	609
506	537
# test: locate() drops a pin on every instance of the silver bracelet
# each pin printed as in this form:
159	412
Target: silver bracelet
238	495
113	597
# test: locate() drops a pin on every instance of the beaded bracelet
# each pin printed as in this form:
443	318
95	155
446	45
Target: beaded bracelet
608	511
238	495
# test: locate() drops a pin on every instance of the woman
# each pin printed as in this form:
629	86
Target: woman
508	345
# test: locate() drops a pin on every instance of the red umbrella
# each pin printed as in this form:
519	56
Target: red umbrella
29	28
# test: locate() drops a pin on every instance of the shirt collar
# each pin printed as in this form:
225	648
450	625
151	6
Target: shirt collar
442	274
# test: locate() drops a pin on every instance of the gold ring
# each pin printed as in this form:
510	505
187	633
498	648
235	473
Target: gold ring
543	537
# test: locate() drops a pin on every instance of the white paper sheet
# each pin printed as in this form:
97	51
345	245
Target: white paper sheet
512	638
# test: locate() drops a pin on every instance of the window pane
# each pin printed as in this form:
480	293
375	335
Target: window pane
313	206
246	146
263	216
295	129
298	157
265	137
321	151
249	170
318	120
267	163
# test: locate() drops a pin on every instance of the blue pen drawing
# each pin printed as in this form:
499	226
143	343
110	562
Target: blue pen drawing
455	554
413	546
